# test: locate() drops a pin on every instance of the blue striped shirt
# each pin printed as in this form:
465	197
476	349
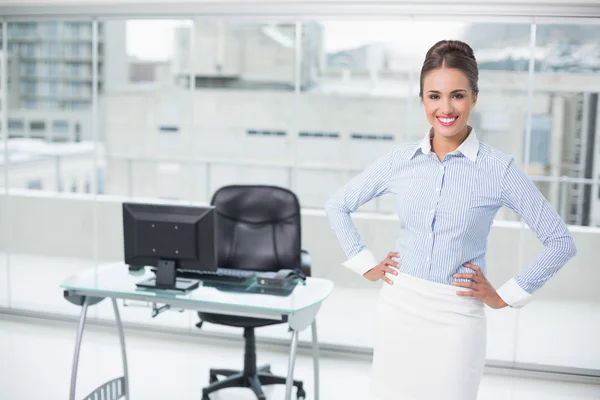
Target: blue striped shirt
446	209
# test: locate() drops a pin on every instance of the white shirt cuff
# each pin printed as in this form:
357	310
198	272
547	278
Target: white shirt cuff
513	294
362	262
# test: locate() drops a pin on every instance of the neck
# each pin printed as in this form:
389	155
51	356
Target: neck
442	145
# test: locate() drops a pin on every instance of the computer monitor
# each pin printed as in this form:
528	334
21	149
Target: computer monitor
169	237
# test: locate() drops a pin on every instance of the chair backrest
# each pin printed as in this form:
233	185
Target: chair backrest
257	227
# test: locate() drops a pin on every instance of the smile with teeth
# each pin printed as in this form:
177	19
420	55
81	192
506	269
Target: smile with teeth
447	121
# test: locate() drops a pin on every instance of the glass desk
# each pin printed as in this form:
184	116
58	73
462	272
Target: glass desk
115	281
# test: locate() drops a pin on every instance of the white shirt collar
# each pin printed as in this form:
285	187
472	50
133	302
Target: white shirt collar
469	148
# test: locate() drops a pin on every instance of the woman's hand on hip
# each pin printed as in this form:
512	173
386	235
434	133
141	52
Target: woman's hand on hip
386	266
482	288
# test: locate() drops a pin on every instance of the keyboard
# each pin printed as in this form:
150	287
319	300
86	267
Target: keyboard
226	275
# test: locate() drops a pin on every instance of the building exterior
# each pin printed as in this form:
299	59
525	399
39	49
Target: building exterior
247	55
50	63
330	136
243	120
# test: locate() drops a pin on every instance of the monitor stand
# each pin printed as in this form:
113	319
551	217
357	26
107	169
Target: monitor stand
166	278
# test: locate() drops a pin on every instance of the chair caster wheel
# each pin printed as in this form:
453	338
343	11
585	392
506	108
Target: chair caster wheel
205	397
212	379
301	394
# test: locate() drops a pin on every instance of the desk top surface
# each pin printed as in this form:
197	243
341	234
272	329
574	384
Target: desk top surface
115	280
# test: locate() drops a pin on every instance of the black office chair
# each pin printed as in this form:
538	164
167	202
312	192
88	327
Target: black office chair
258	228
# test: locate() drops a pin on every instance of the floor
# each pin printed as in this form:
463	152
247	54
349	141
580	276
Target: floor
36	356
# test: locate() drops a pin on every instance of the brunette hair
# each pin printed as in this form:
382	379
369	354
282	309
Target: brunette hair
451	54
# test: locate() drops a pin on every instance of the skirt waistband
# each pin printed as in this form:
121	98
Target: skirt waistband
425	285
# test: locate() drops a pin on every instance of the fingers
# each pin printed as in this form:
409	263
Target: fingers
473	277
470	285
389	270
386	279
474	268
467	294
389	261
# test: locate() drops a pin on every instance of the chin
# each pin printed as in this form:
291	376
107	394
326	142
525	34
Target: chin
449	131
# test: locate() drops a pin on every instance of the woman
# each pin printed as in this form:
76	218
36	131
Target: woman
431	325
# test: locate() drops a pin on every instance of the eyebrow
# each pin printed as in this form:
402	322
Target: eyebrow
454	91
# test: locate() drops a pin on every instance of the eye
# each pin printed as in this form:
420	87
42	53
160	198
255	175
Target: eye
459	96
433	97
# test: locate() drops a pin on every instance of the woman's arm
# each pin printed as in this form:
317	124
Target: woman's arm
522	196
371	183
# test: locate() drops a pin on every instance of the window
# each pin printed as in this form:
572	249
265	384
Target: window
332	135
53	69
16	125
37	126
539	149
34	184
53	88
265	132
80	105
60	127
28	69
369	136
51	50
30	104
50	29
27	50
169	129
73	50
28	88
16	128
72	29
73	69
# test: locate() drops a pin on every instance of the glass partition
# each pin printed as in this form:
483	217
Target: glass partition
4	212
51	157
96	113
560	327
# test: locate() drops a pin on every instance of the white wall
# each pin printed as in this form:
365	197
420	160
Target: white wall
63	226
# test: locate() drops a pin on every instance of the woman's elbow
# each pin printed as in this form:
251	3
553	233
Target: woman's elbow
331	206
571	248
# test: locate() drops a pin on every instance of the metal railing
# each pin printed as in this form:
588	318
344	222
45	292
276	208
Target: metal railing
345	173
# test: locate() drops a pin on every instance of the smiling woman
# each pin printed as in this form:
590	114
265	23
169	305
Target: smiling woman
430	317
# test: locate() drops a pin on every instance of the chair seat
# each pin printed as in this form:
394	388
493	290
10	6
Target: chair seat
239	322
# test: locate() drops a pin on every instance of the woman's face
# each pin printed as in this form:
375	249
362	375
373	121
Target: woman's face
448	100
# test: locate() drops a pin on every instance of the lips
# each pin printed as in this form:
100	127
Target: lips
447	121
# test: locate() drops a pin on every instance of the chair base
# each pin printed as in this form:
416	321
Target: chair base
255	382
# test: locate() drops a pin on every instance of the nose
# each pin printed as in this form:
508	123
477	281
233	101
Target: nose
446	107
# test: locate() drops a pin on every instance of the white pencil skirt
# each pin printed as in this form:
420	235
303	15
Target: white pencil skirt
429	342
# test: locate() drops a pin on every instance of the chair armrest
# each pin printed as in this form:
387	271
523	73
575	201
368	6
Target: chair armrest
305	262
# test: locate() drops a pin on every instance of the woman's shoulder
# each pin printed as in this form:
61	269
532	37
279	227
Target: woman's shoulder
494	155
404	150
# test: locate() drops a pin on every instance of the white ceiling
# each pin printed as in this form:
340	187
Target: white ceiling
299	8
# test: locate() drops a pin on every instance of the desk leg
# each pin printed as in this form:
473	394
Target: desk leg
78	348
315	346
289	384
123	351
